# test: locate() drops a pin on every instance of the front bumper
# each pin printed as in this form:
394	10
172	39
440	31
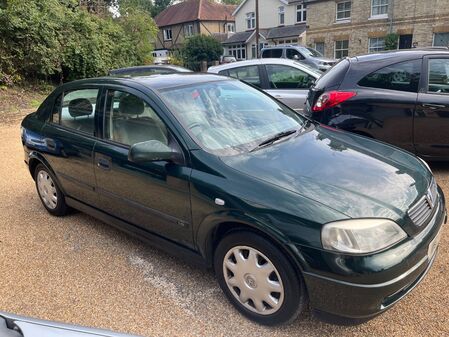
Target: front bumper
386	279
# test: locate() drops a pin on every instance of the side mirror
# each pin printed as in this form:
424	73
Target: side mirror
152	150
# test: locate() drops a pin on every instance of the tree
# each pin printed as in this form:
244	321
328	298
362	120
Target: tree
159	6
201	48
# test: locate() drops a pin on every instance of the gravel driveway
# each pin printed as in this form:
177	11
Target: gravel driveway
79	270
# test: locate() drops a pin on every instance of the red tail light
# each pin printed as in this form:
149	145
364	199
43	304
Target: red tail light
332	98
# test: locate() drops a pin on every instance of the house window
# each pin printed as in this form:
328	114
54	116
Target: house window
319	46
230	27
188	30
281	13
251	20
379	8
341	49
376	44
343	10
301	13
238	51
441	39
167	34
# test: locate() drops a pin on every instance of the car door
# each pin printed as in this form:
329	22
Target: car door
70	137
431	136
154	195
288	84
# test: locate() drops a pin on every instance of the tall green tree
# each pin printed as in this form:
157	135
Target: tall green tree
159	6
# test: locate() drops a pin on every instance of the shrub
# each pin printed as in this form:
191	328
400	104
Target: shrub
201	48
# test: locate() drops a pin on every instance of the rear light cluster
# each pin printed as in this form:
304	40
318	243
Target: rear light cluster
332	98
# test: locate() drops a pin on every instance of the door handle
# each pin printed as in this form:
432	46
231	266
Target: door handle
103	163
433	106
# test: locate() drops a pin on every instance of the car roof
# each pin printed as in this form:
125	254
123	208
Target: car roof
405	54
216	69
152	82
148	67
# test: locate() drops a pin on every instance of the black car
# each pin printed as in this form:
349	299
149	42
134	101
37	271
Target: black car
282	208
400	97
154	69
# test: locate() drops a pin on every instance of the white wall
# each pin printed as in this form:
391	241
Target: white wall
268	14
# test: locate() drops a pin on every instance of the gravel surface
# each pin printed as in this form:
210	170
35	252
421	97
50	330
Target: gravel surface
79	270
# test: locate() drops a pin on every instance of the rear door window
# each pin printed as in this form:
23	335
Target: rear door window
285	77
248	74
438	76
272	53
78	110
402	76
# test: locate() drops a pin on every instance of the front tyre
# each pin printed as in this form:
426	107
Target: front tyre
49	193
258	279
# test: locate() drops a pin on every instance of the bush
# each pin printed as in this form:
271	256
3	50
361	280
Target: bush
56	40
391	41
201	48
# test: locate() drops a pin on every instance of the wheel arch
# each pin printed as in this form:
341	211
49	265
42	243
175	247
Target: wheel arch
208	240
34	159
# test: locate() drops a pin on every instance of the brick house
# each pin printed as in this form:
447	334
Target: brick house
188	18
339	28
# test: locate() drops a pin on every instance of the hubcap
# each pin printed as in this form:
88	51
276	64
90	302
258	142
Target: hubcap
47	189
253	280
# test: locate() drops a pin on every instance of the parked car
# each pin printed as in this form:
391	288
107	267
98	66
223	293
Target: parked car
400	97
288	81
303	54
216	171
155	69
227	59
19	326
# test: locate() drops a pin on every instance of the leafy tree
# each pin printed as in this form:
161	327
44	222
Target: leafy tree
201	48
159	6
55	39
391	41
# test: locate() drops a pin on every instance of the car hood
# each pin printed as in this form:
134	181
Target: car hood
353	175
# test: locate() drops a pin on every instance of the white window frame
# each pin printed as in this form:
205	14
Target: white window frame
281	15
302	10
230	27
375	50
188	30
382	15
341	49
250	20
168	34
343	11
238	51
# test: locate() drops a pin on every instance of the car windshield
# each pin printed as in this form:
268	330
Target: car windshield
229	117
310	52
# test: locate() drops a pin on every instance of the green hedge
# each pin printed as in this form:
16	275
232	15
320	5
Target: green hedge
56	40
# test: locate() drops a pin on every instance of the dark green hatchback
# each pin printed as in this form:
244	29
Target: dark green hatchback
286	211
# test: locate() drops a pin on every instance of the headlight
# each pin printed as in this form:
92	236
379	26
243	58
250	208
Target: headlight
360	236
425	164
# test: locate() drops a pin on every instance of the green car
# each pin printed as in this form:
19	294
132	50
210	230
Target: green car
285	211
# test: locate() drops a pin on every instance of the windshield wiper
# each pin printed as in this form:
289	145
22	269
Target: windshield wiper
274	138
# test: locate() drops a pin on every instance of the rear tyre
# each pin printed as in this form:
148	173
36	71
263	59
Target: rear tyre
49	192
258	279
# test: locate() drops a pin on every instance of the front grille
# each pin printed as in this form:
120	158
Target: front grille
423	209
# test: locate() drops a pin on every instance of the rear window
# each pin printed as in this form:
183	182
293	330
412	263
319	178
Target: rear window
333	76
272	53
402	76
